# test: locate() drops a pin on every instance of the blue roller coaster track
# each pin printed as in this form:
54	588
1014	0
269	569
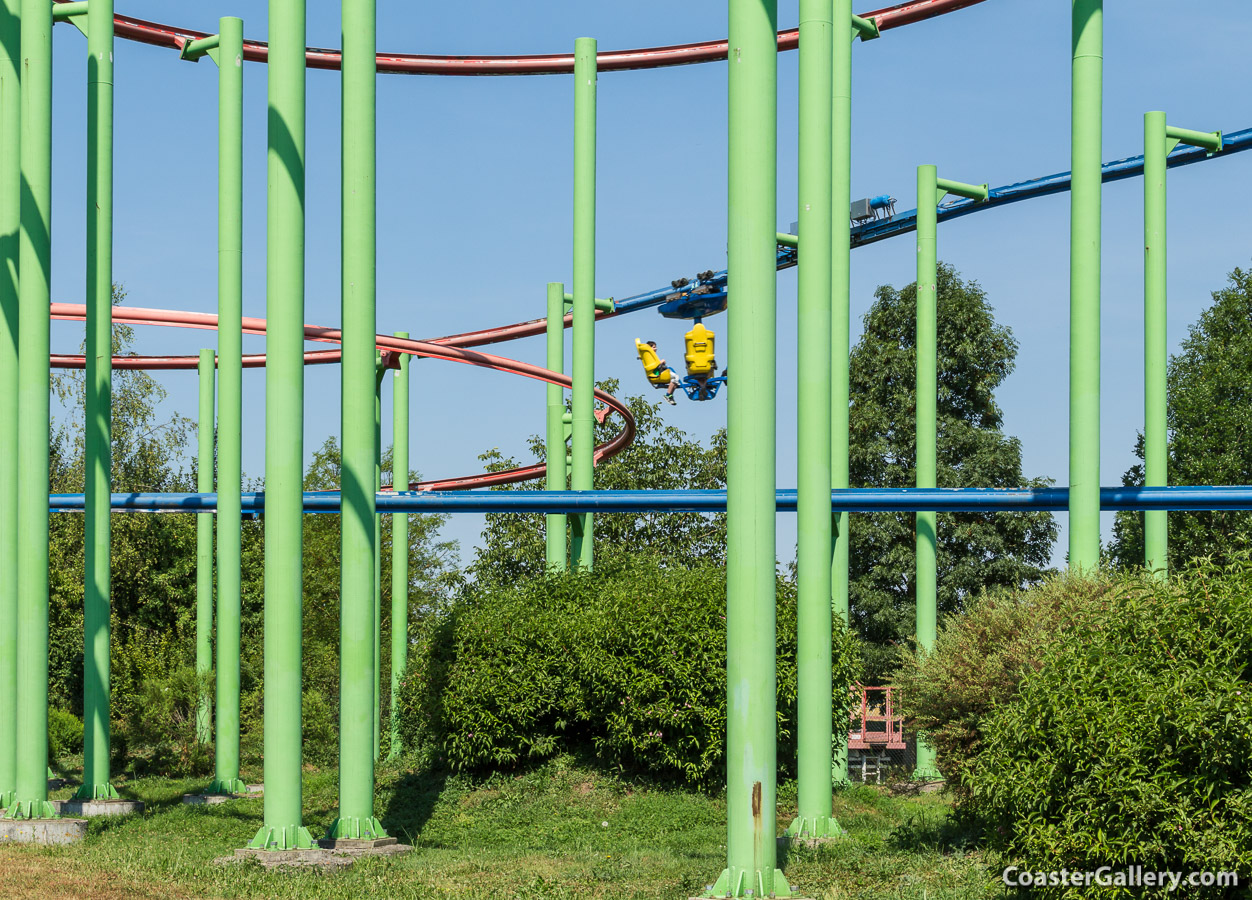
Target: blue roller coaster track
902	223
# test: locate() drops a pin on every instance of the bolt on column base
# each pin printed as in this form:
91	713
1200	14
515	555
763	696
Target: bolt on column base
103	791
813	829
282	837
229	786
745	885
356	828
31	809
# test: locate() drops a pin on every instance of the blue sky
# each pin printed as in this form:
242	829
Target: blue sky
475	197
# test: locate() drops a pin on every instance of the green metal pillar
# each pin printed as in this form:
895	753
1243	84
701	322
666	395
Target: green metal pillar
813	552
840	295
582	552
204	545
357	660
1155	342
930	190
1084	286
554	453
230	404
927	427
284	431
34	291
10	225
1159	140
751	590
379	371
98	414
840	320
399	542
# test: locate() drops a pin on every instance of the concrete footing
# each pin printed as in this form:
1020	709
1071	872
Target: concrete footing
43	831
89	808
329	855
346	845
255	792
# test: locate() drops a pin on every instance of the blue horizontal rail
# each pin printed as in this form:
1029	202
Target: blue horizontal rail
858	500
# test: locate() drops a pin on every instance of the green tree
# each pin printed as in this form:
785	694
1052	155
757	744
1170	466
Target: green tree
1210	435
976	551
662	457
153	556
153	589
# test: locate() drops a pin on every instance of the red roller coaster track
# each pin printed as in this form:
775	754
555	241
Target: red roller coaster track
175	37
451	347
178	319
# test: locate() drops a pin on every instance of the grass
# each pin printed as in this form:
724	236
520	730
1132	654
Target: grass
558	831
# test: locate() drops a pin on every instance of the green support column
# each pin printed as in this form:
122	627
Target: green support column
378	547
35	264
284	431
554	451
930	190
582	552
1155	342
840	320
1084	286
357	661
399	542
10	225
927	427
204	545
230	404
813	552
98	415
1159	140
840	294
751	590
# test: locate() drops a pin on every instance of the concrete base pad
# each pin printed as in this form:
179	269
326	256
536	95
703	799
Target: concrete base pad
43	831
337	857
214	799
350	845
90	808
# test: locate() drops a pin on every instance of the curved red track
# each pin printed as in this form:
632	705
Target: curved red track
138	316
174	37
452	346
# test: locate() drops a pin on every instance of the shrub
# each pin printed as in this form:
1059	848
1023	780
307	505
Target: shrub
65	734
320	729
161	727
980	658
627	665
1131	743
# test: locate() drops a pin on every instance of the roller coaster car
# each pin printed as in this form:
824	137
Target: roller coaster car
657	376
701	365
700	358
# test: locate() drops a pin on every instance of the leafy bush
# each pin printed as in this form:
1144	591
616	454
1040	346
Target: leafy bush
65	734
161	727
980	658
320	728
1132	742
627	665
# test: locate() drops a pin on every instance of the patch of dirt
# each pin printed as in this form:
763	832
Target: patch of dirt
51	877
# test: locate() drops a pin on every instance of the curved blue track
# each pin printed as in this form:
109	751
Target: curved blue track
854	500
905	222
